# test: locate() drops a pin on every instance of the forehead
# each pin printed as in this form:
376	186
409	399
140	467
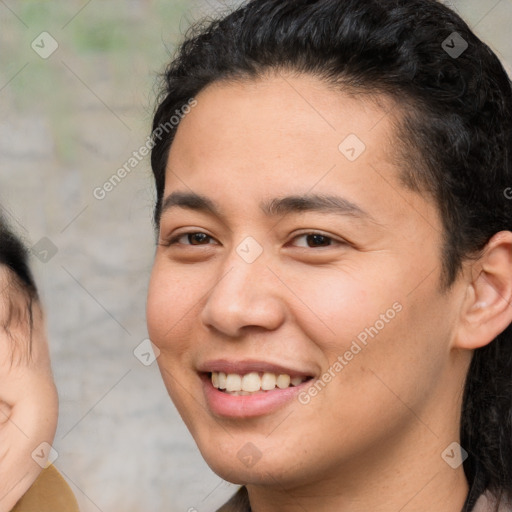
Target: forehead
284	116
251	141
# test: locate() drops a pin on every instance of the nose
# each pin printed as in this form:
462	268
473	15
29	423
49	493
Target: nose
245	295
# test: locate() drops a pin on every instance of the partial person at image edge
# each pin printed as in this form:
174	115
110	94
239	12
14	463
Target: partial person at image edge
28	397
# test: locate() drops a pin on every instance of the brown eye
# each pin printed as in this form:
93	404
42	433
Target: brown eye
197	237
317	240
192	237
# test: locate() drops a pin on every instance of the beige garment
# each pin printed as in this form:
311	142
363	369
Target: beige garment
49	493
485	503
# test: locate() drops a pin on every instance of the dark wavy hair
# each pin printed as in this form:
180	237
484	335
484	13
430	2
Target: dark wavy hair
18	280
453	127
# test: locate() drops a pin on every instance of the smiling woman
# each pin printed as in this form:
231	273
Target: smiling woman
345	159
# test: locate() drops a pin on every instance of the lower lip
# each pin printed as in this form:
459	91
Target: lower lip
248	406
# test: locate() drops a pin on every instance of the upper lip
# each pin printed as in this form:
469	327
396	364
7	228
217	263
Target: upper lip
248	366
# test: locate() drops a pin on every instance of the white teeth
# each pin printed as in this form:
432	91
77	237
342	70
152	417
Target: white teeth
283	381
295	381
268	381
252	382
233	382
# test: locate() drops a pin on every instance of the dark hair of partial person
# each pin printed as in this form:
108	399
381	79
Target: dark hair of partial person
453	122
18	284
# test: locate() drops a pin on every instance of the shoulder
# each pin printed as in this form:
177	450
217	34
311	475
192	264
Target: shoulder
49	493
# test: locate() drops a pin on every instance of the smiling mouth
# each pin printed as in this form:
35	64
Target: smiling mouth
254	382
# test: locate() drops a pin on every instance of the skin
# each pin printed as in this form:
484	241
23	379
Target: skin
28	396
372	438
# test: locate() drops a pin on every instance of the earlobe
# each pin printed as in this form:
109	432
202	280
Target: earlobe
487	310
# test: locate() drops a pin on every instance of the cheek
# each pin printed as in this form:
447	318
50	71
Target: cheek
378	330
337	307
170	306
401	361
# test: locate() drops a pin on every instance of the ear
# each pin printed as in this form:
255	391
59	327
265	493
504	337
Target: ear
487	308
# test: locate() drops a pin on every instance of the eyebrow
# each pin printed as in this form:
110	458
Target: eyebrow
271	208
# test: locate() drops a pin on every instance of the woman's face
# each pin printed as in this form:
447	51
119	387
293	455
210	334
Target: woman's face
332	306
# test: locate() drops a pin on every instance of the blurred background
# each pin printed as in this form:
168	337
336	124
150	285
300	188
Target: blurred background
77	88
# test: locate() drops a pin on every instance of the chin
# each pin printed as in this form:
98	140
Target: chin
248	465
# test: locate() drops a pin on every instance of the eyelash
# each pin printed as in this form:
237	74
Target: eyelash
174	240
